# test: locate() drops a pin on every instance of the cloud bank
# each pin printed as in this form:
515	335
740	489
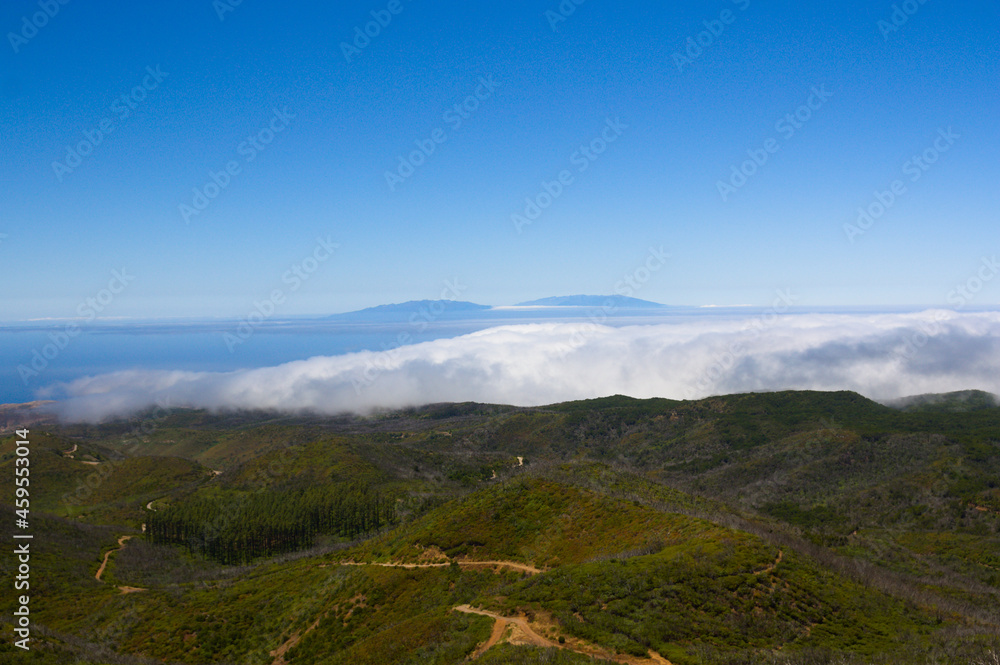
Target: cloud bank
882	356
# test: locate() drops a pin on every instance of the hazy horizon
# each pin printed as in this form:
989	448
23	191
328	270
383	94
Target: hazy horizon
189	185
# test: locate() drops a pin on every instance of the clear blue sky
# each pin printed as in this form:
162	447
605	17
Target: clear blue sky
323	175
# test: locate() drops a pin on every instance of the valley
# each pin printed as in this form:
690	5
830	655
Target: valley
790	527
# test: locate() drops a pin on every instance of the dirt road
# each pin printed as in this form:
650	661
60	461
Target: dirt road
104	564
523	633
513	565
770	568
121	545
533	637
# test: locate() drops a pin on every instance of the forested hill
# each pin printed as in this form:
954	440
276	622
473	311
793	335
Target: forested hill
788	527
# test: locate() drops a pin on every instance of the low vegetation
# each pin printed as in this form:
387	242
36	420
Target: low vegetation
793	528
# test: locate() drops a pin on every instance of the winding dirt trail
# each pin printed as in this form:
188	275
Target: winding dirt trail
121	545
499	628
279	653
515	630
523	633
104	564
532	637
70	455
513	565
768	569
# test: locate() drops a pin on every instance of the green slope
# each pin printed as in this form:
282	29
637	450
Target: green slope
658	525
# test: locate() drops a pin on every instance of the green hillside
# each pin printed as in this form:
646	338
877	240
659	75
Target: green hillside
793	527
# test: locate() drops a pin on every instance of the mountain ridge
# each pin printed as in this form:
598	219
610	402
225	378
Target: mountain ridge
720	531
433	307
616	301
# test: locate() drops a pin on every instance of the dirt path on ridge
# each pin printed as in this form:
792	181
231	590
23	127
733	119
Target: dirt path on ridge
533	637
514	565
121	545
104	564
279	653
530	636
768	569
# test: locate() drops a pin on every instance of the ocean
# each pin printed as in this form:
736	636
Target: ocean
33	358
36	357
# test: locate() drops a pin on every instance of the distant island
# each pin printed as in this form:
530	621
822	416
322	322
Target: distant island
439	308
590	301
435	307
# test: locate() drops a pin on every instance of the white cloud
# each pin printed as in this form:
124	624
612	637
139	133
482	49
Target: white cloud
882	356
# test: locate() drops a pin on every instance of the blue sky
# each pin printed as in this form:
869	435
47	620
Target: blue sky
320	171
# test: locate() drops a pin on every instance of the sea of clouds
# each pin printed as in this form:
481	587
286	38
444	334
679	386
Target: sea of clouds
881	356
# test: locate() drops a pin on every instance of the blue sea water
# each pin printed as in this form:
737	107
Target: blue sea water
32	358
35	356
